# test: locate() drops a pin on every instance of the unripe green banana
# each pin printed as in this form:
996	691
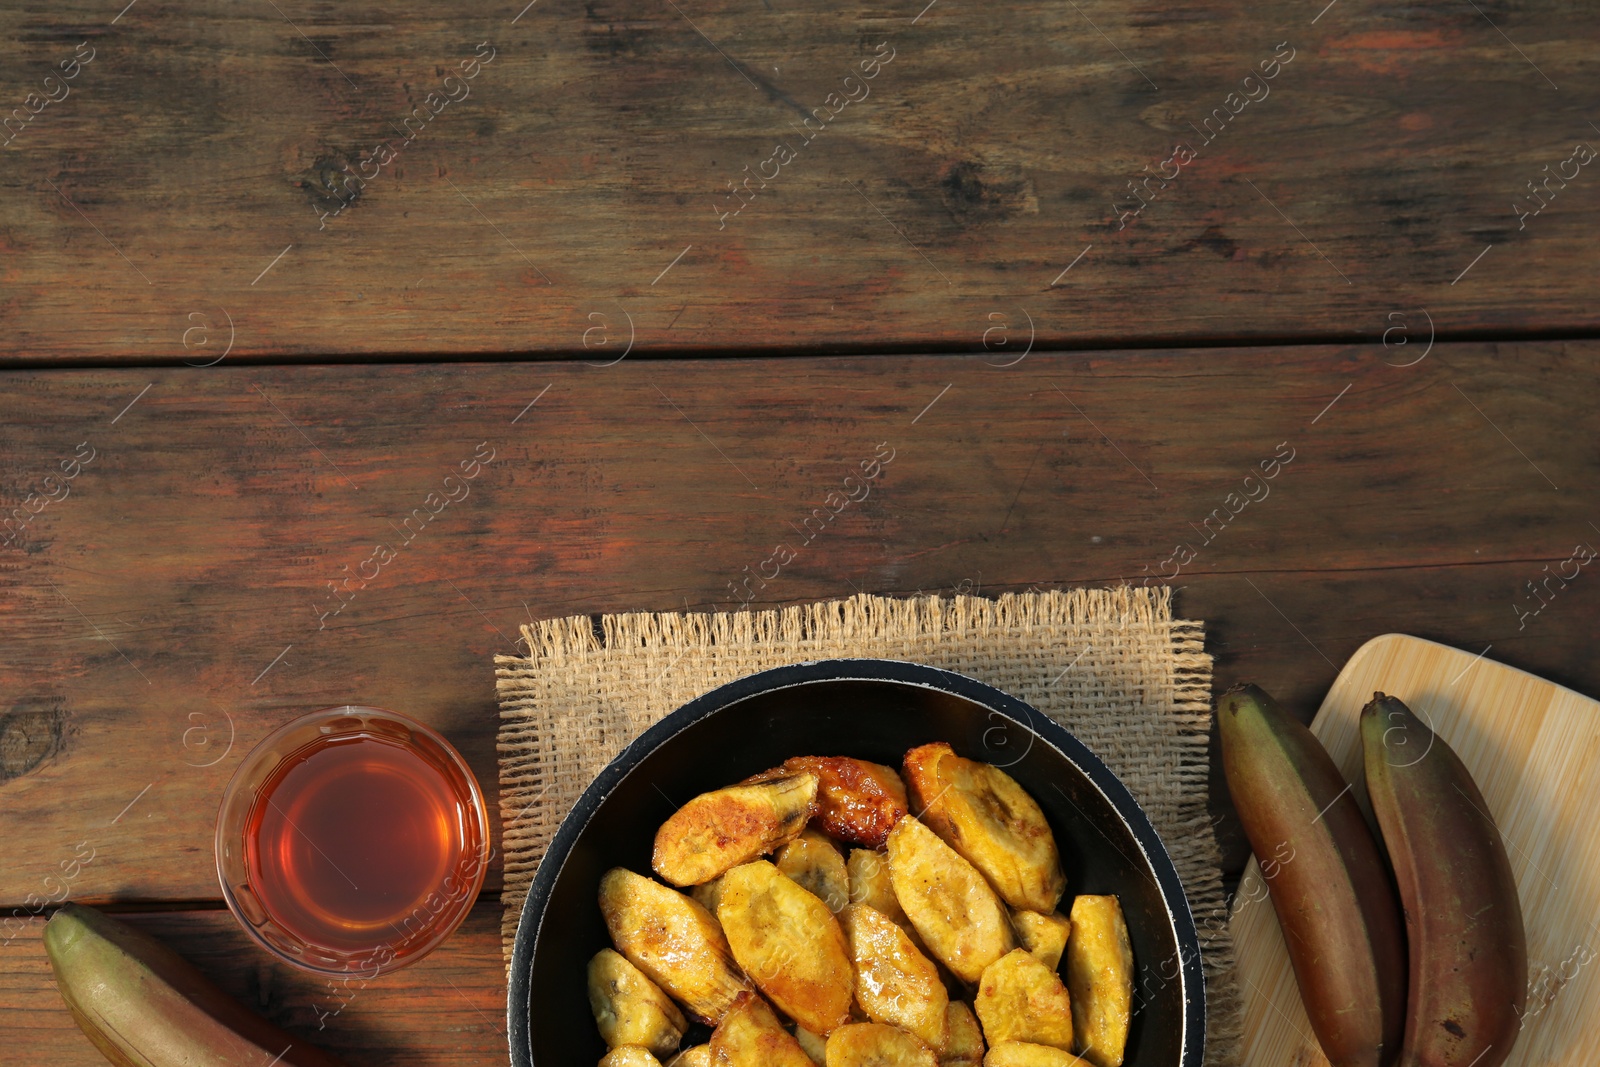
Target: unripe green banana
1469	951
1335	900
143	1005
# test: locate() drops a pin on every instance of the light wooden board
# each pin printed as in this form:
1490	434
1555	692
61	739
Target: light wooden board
1532	746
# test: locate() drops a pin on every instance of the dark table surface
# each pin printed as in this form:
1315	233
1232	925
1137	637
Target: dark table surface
229	369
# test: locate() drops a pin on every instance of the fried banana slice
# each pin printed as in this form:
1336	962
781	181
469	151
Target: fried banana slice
815	1047
871	885
719	830
982	813
958	916
877	1045
790	945
1043	935
1023	1054
708	894
629	1008
699	1056
813	861
965	1047
857	801
895	983
750	1035
673	940
1100	978
629	1056
1020	999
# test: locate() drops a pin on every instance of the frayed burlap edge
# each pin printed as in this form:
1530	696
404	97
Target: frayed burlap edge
1111	665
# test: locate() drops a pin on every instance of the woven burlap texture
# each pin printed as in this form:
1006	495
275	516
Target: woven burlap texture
1111	665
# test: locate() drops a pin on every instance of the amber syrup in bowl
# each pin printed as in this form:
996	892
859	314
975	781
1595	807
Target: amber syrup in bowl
352	840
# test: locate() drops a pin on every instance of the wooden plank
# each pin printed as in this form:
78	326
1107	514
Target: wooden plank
446	1009
218	178
1530	746
184	578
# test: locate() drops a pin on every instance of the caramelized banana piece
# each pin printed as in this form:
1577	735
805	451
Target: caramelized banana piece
959	917
790	945
871	885
812	861
708	894
895	983
1043	935
814	1046
1023	1054
982	813
673	940
719	830
629	1008
629	1056
1020	999
751	1036
965	1047
857	801
1100	977
699	1056
877	1045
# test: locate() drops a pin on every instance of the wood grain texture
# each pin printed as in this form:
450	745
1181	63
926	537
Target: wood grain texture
571	199
1530	746
446	1009
183	581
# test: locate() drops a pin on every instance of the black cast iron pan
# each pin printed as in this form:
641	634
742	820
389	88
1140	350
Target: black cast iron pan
875	710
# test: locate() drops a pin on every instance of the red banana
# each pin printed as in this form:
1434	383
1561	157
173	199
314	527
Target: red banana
1469	953
1329	885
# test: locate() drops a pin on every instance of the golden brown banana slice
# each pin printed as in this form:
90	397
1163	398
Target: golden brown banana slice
1043	935
1023	1054
813	861
815	1046
708	894
877	1045
1100	979
629	1056
750	1035
857	801
699	1056
871	885
981	812
895	983
958	916
673	940
726	827
1020	999
629	1008
965	1047
790	945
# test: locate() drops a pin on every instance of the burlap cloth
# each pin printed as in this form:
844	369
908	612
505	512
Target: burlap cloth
1111	665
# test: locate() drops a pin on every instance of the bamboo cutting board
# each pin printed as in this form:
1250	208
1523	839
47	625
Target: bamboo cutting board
1534	749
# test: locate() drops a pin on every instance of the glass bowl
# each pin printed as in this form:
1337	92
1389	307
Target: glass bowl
352	840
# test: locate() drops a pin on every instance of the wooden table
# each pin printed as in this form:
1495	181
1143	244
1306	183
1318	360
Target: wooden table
269	272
